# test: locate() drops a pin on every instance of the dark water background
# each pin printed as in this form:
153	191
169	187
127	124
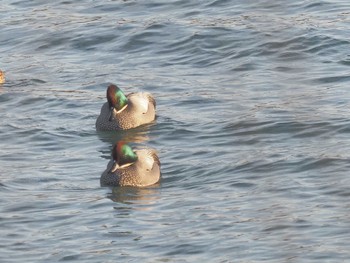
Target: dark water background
253	130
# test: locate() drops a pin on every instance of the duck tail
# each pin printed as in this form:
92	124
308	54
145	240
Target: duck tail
155	157
151	99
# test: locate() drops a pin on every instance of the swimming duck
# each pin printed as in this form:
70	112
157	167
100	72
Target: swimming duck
122	112
2	77
131	168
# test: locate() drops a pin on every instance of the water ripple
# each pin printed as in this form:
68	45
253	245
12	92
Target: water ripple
252	130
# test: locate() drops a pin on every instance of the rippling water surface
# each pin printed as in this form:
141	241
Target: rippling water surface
253	130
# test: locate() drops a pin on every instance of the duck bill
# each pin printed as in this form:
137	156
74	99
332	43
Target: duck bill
110	118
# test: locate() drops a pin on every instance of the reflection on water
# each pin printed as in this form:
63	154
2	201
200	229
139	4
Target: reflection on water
136	135
141	198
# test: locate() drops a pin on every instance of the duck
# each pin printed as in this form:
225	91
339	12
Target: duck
2	77
139	168
123	112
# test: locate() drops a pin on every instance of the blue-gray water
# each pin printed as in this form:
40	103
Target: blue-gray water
253	130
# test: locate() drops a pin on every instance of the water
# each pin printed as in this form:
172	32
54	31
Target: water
252	130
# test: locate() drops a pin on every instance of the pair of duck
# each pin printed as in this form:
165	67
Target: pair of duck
120	112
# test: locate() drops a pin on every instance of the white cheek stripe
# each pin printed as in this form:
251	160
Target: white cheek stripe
119	111
125	165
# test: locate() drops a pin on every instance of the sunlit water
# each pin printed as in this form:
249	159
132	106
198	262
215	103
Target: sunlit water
253	130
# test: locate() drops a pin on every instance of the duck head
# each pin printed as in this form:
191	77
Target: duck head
116	98
123	156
